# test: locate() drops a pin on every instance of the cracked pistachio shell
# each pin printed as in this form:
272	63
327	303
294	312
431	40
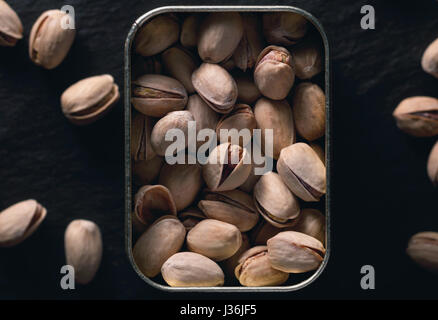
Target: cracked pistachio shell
302	171
190	30
275	202
230	264
191	217
240	118
173	120
295	252
156	95
156	35
180	64
251	43
429	62
152	202
147	171
255	270
247	90
19	221
157	244
274	72
307	58
312	223
219	36
432	165
277	116
141	129
309	111
184	182
234	206
215	86
228	166
89	99
11	29
214	239
260	166
190	269
284	28
49	43
423	249
318	150
83	249
418	116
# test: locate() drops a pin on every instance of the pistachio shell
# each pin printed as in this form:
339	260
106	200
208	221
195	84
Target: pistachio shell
89	99
247	90
162	240
302	171
145	65
307	58
147	171
156	95
318	150
83	249
214	239
284	28
141	129
423	249
11	29
152	202
240	118
189	269
295	252
311	222
265	231
429	62
49	42
19	221
180	64
191	217
190	30
230	264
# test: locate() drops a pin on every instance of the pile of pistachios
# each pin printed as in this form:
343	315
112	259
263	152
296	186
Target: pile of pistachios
221	222
418	116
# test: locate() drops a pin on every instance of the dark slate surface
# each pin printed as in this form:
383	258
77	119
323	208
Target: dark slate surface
381	194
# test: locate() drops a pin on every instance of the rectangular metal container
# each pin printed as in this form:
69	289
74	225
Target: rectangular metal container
127	123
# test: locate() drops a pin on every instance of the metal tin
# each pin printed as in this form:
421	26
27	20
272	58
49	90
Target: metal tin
128	181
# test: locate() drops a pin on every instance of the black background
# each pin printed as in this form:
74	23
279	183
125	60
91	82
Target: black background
381	194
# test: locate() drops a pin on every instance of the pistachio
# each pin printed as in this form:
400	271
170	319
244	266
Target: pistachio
311	222
418	116
318	150
432	164
19	221
11	29
247	90
265	231
49	42
180	64
190	30
152	202
429	61
145	65
214	239
215	86
260	167
83	249
241	118
227	168
183	181
89	99
173	120
138	227
219	36
309	111
275	202
307	58
191	217
274	73
230	264
146	171
162	240
251	44
302	171
254	269
156	95
295	252
156	35
423	249
284	28
189	269
141	129
277	116
235	207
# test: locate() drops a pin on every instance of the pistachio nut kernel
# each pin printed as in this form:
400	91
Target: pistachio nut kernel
311	222
83	249
157	244
309	111
432	165
429	62
19	221
228	166
156	95
49	42
215	86
423	249
247	90
141	129
191	217
219	36
418	116
89	99
156	35
146	171
152	202
295	252
190	269
11	29
255	270
190	30
240	118
302	171
275	202
214	239
284	28
274	72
